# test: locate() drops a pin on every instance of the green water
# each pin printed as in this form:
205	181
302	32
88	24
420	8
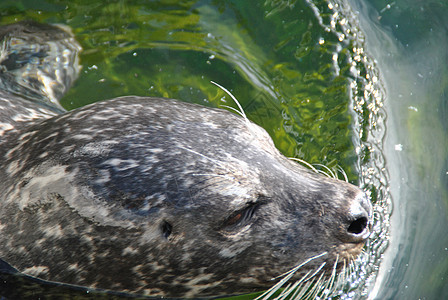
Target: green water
297	67
265	52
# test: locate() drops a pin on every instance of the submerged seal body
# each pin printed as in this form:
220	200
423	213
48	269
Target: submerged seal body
161	197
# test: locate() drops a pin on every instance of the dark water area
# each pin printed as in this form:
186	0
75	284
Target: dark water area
359	86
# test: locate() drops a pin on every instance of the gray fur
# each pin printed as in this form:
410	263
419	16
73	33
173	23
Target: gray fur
142	195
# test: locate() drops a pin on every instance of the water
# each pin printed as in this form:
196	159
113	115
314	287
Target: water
324	90
409	41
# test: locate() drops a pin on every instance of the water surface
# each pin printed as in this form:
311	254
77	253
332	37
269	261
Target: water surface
299	68
409	40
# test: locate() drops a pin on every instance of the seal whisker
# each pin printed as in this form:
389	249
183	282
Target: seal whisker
330	173
241	111
304	162
324	173
285	292
329	285
233	109
214	175
342	276
312	287
295	288
202	155
278	285
341	170
302	291
293	270
289	274
318	269
333	274
315	288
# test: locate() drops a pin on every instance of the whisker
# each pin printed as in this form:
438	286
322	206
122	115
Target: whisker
331	173
296	289
343	275
341	170
303	290
287	276
318	269
304	162
293	270
285	293
324	173
204	156
214	175
234	109
241	111
328	285
328	172
314	284
316	288
276	287
333	275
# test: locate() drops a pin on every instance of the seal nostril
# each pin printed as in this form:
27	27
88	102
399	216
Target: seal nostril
358	226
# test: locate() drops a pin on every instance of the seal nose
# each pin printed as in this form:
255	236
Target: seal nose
359	219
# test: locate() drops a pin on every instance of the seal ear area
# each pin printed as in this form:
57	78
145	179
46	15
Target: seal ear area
166	229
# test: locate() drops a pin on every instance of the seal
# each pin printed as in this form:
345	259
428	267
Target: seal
155	196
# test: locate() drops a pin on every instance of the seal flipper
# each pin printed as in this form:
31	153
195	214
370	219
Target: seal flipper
38	62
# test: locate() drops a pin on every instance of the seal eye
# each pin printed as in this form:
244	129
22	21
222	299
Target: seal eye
242	216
